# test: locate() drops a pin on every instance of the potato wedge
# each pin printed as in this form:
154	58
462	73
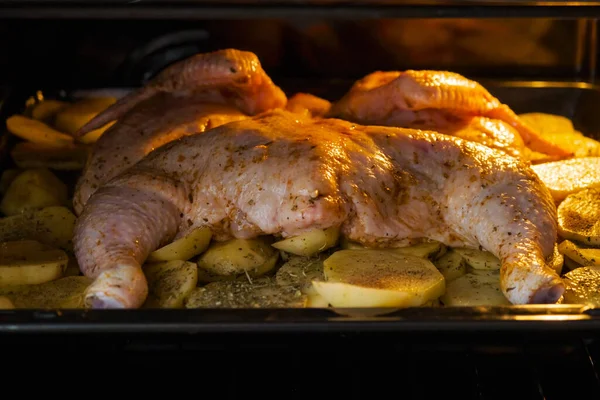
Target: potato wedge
579	217
52	226
232	258
29	155
263	292
309	243
583	256
193	243
36	131
570	176
8	175
378	278
27	262
556	260
45	110
77	114
452	265
582	286
33	189
63	293
479	259
481	289
169	283
6	304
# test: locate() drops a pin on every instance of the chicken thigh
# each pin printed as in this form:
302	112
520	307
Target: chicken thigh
283	174
440	100
188	98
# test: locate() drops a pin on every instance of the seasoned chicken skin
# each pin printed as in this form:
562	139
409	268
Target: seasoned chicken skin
187	98
436	100
229	76
281	173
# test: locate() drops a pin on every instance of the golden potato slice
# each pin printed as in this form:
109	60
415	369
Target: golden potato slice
481	289
63	293
582	286
6	304
28	262
251	257
263	292
27	155
45	110
579	217
37	131
52	226
570	176
583	256
431	250
93	136
33	189
73	117
184	248
8	175
309	243
548	124
479	259
556	260
315	300
378	278
169	283
451	265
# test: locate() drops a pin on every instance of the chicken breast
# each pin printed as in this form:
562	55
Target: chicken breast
438	99
282	173
187	98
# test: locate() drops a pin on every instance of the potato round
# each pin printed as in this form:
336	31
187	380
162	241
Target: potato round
579	217
309	243
570	176
582	286
28	262
192	244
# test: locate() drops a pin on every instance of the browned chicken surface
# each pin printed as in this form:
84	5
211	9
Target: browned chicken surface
187	98
446	102
283	174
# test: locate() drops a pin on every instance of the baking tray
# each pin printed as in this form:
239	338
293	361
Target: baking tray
578	101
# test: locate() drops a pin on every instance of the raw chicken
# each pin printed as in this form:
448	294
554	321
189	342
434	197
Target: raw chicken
188	98
282	174
437	100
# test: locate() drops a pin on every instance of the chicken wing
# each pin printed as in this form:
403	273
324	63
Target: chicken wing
406	98
228	76
282	174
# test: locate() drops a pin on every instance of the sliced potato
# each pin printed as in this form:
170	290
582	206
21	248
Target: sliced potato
6	304
73	117
93	136
252	257
548	124
37	131
45	110
8	175
452	265
169	283
579	217
33	189
556	260
72	157
52	226
582	286
570	176
63	293
481	289
378	278
479	259
309	243
315	300
27	262
184	248
431	250
263	292
583	256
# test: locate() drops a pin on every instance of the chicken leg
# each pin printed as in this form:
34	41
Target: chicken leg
283	173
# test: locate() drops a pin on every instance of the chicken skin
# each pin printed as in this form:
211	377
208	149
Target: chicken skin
282	173
439	100
188	98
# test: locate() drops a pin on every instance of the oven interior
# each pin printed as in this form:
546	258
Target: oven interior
534	57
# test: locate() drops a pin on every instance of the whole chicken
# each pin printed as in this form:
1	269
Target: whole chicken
187	98
441	101
282	173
